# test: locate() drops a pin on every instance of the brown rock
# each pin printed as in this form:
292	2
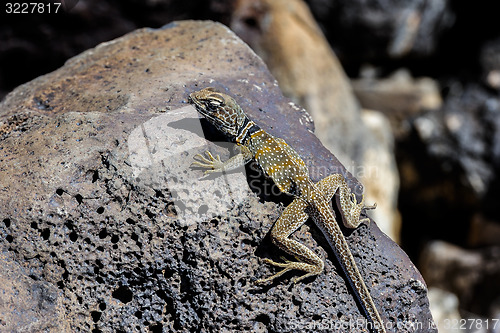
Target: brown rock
99	200
483	232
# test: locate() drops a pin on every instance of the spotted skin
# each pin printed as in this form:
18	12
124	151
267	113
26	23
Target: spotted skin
289	172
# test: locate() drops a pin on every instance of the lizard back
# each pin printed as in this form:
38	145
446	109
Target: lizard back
280	162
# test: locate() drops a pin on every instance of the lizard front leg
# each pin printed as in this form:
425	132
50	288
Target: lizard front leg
214	164
292	218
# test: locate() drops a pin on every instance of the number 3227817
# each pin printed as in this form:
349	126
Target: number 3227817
468	324
32	8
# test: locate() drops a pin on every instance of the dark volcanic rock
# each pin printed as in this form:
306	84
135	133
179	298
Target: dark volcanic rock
100	206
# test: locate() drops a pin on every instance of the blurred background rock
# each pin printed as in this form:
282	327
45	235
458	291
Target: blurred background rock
405	93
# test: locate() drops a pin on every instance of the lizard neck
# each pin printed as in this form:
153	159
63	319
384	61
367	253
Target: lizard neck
246	132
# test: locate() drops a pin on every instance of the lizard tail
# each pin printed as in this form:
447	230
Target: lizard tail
339	245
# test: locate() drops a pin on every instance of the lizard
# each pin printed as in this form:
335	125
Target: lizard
289	172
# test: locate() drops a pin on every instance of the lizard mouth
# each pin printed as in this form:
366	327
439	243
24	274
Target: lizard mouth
197	104
191	99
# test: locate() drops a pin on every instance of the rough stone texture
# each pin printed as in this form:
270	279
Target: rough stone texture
98	199
311	75
27	304
34	44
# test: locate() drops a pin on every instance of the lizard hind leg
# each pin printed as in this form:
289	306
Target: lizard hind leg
288	265
347	201
292	218
355	212
351	208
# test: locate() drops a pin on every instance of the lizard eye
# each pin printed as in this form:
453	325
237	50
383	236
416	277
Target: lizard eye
214	104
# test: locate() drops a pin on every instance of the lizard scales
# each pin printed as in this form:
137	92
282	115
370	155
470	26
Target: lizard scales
289	172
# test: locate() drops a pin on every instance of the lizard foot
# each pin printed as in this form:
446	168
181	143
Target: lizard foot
371	206
352	220
289	265
367	220
209	162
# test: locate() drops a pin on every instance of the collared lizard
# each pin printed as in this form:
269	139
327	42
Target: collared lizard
288	171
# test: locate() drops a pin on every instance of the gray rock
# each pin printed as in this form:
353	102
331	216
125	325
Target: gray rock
99	201
444	308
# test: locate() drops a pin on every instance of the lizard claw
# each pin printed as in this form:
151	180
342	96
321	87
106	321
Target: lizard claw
274	263
288	265
209	162
371	206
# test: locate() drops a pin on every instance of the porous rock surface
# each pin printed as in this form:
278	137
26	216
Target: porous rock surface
102	211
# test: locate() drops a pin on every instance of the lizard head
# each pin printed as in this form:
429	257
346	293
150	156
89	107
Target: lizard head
221	110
